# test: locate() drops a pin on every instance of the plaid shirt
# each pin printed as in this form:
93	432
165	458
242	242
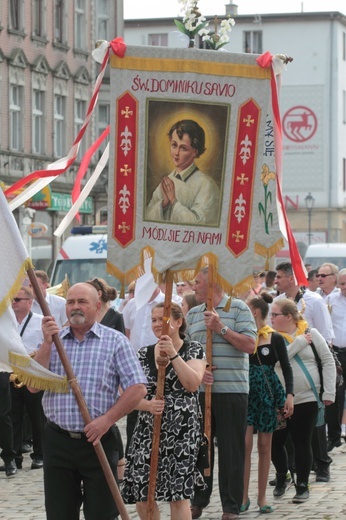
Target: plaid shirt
101	362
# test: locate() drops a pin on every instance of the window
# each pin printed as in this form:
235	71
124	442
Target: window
103	122
16	20
80	111
38	133
102	19
59	26
38	25
59	125
80	23
253	42
16	117
158	39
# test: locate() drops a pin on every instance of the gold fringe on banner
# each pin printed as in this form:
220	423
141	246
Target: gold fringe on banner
34	375
268	252
7	299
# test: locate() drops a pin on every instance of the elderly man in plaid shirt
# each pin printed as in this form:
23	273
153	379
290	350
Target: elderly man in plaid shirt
102	359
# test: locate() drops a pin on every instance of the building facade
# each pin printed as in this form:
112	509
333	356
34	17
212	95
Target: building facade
47	77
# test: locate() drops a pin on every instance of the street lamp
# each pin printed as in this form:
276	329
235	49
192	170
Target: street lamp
309	203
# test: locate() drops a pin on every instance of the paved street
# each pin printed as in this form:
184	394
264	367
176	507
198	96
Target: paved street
21	497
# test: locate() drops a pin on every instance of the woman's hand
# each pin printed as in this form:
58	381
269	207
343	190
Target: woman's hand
208	377
288	406
165	346
156	406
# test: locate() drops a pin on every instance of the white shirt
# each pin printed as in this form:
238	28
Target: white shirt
338	315
57	307
139	322
315	313
32	336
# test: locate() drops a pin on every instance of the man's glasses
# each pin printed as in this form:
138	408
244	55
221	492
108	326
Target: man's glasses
20	299
322	275
275	314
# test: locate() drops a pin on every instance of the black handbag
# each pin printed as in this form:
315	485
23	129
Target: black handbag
202	462
203	458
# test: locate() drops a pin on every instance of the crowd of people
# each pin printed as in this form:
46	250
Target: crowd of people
278	362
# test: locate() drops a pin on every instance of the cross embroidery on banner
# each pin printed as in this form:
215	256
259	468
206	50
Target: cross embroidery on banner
127	112
237	236
123	227
242	178
248	120
126	170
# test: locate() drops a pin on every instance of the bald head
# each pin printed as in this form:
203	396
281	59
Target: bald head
82	305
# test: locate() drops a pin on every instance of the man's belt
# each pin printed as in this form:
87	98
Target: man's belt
72	435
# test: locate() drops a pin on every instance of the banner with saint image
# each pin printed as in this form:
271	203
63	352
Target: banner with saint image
188	137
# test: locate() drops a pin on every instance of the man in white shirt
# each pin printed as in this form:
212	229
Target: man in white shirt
337	305
327	280
29	328
309	303
138	322
56	304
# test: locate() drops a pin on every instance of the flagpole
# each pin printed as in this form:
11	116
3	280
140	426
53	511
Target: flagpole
209	354
80	399
162	362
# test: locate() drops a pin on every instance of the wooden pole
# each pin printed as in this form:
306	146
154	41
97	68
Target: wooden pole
162	362
80	400
209	353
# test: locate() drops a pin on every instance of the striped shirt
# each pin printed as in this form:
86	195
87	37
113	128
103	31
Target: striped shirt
232	365
101	362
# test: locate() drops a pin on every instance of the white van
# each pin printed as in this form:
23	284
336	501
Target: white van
83	256
317	254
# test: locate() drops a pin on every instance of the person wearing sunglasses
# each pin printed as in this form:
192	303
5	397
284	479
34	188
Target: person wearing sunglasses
327	277
30	329
309	303
288	321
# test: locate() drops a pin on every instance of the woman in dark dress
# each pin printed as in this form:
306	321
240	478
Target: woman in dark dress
180	435
265	397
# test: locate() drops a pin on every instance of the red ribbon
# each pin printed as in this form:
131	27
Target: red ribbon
118	46
266	61
84	166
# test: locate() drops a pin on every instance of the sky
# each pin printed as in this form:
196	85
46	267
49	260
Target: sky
170	8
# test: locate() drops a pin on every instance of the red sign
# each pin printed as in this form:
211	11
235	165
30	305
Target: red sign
239	216
299	124
125	170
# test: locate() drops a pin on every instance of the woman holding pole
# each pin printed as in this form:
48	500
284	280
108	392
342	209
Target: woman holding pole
181	431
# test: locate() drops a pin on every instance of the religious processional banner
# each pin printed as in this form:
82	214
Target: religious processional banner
192	176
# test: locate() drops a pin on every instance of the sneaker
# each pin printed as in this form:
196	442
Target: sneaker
302	493
322	475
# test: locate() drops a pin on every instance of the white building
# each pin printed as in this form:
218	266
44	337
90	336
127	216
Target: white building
312	101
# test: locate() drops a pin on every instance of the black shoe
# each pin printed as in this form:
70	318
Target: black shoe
37	464
26	447
288	480
322	475
196	511
19	463
10	468
281	485
333	444
302	493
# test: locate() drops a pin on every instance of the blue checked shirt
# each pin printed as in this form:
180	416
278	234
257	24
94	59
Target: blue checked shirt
101	362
